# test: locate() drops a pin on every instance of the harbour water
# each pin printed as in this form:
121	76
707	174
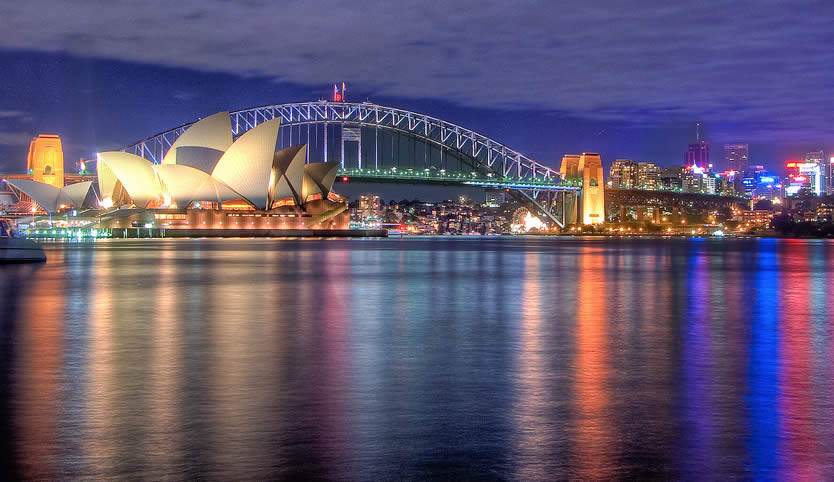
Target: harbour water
494	357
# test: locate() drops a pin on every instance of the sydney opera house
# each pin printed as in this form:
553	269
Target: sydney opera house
209	181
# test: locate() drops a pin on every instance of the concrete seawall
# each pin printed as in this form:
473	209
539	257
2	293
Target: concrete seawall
248	233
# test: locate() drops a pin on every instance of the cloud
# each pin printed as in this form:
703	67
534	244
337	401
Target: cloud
15	138
763	63
185	96
16	115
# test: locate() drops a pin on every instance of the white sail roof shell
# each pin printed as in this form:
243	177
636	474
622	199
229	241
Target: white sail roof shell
247	164
319	178
75	194
186	184
213	132
45	195
136	175
107	181
287	176
49	197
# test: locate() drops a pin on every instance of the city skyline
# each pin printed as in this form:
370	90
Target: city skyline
66	80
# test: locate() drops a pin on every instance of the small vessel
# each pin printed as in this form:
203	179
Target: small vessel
17	250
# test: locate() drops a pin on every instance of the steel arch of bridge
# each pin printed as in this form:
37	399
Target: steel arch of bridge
490	154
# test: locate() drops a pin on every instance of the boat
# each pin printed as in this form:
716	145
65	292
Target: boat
17	250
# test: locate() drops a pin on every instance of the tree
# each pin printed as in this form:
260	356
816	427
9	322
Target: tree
763	205
782	223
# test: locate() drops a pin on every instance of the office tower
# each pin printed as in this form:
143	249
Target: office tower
821	184
697	154
736	157
623	174
648	176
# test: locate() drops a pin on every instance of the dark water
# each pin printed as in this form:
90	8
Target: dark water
451	358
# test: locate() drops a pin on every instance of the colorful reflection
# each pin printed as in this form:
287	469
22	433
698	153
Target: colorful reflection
41	368
538	433
800	448
524	358
698	427
763	370
595	451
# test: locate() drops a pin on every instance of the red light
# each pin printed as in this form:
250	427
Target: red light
345	179
337	97
790	164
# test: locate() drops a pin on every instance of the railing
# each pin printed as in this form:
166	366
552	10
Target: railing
470	179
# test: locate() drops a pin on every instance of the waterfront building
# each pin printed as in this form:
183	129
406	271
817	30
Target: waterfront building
495	197
623	174
648	176
369	206
736	157
45	161
757	217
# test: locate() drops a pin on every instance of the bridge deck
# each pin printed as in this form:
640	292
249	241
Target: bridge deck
452	179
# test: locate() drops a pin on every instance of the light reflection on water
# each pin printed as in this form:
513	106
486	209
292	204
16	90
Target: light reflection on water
514	358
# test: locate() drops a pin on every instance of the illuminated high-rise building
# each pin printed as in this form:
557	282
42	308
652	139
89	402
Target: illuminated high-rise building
45	161
697	154
623	174
648	176
736	157
369	205
824	170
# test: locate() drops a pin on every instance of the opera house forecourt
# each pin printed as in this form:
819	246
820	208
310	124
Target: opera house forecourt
209	184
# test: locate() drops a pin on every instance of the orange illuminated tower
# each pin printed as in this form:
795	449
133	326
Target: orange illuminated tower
46	160
593	195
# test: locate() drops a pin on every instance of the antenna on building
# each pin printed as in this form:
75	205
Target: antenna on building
698	132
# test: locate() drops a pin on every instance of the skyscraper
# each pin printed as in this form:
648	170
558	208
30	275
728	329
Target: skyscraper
623	174
697	154
736	157
648	176
821	186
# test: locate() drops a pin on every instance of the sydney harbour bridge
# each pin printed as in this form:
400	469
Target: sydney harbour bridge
375	143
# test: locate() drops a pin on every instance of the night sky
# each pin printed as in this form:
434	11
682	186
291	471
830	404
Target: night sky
627	79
